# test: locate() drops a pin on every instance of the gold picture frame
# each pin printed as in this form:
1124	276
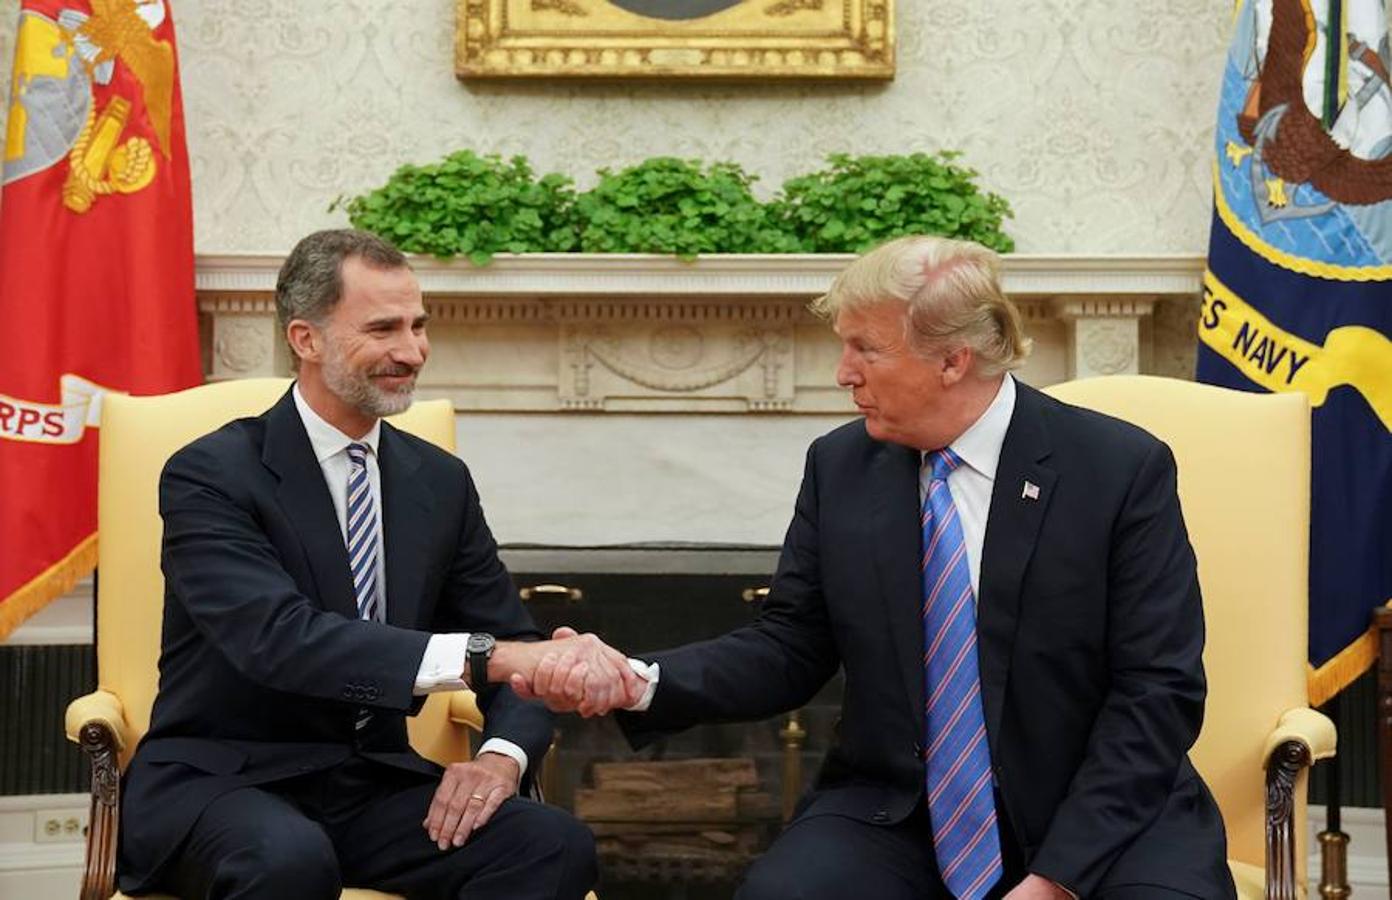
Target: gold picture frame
675	38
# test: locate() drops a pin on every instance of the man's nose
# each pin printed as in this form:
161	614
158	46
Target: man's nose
411	349
847	373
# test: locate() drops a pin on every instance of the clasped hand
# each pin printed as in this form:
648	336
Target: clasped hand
575	672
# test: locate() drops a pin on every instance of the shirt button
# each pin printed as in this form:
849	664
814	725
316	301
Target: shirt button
880	816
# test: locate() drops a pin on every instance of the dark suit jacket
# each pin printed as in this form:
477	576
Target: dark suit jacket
264	664
1090	639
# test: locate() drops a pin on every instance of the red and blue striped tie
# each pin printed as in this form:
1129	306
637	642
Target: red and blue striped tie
961	802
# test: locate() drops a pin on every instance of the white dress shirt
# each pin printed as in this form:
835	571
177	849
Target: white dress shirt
442	666
971	484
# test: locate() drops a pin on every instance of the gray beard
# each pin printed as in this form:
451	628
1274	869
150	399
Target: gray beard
359	392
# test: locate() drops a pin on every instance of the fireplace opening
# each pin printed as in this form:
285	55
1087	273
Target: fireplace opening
684	817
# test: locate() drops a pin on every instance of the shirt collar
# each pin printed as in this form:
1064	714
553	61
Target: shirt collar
980	445
327	440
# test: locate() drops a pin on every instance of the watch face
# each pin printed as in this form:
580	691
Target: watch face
480	643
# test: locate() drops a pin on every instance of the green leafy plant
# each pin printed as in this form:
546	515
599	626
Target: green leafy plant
469	205
857	202
477	206
668	205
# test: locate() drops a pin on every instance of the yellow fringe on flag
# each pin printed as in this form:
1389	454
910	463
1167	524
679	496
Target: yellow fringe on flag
1340	671
53	582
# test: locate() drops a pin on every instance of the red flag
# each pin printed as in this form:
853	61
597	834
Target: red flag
96	270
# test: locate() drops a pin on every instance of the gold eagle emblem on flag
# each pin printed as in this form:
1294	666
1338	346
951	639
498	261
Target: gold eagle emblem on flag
53	100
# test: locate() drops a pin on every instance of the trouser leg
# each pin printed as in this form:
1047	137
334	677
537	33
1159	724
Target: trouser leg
250	843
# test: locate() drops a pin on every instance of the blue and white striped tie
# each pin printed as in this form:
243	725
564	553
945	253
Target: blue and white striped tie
362	534
961	804
362	545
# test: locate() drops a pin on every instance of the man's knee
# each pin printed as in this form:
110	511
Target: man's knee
1143	892
532	847
282	861
771	877
541	838
817	858
762	882
577	840
558	832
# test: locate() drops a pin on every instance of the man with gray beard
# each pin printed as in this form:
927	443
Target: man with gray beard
324	572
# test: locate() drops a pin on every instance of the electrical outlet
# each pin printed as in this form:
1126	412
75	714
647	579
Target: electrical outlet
54	826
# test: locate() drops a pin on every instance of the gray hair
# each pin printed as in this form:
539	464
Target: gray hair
311	280
953	293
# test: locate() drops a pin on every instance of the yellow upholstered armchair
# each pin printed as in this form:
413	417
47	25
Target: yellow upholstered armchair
138	434
1244	482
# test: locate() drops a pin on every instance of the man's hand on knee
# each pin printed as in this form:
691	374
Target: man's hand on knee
468	795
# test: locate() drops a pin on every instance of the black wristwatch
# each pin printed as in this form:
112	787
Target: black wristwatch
477	650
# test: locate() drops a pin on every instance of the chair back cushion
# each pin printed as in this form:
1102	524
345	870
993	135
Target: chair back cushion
138	435
1244	483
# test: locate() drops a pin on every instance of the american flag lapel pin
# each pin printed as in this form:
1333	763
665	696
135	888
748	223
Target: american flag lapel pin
1030	491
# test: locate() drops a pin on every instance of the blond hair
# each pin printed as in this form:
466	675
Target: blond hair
953	293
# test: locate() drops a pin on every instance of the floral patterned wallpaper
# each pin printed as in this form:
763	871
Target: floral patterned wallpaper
1094	118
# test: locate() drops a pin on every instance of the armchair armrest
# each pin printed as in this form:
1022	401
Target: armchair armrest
101	708
1307	727
97	722
1300	737
464	710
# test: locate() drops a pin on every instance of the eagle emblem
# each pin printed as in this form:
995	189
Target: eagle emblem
54	111
1305	127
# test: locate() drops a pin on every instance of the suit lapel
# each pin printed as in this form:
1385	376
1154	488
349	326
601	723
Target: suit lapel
1023	489
407	503
305	500
894	492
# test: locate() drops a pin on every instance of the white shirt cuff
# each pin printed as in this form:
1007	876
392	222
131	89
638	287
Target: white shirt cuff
649	673
442	666
505	747
442	669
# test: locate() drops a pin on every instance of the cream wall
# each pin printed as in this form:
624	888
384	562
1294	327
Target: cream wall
1092	117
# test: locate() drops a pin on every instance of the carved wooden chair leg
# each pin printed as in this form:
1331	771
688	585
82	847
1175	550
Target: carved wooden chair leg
1282	771
99	873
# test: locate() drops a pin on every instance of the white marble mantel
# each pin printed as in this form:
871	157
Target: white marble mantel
628	274
642	333
617	399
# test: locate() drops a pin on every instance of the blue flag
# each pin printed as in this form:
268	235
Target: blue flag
1298	290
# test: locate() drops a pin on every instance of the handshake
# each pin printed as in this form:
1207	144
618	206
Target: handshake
572	672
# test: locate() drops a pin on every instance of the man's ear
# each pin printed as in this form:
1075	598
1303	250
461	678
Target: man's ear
305	340
956	365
